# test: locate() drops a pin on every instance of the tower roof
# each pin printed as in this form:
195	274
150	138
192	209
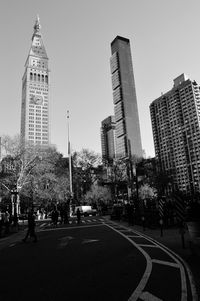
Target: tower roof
120	38
37	46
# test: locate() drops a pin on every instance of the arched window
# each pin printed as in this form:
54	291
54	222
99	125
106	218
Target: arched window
42	78
31	76
39	77
35	76
46	79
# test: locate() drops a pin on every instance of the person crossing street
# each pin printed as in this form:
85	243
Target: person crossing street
31	227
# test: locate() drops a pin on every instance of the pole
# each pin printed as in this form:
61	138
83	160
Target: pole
69	155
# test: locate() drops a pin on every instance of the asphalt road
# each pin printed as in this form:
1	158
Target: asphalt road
86	262
96	260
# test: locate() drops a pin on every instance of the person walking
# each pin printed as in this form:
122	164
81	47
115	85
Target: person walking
31	227
7	222
78	214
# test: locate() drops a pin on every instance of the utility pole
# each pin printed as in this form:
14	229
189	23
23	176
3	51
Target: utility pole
69	155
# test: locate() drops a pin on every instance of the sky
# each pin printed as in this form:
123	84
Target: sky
164	37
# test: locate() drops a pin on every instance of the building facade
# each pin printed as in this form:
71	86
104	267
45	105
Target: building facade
108	139
35	93
128	138
175	118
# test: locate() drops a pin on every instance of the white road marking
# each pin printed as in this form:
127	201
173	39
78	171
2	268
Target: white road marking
172	264
12	245
134	236
146	296
135	295
86	241
149	246
43	224
70	228
170	253
64	241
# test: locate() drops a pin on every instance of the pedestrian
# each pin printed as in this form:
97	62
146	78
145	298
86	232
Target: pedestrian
7	222
15	222
78	214
31	227
66	219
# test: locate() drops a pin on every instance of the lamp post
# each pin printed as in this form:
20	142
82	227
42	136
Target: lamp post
70	162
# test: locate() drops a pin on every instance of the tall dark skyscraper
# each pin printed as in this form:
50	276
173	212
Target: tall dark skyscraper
35	93
128	139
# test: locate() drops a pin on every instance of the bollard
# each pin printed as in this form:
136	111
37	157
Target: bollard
182	233
161	227
143	223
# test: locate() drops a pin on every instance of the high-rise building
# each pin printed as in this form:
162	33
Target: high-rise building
35	93
128	139
108	139
175	118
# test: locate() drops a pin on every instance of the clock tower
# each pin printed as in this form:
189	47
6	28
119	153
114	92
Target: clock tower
35	93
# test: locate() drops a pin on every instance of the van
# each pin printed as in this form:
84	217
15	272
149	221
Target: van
86	210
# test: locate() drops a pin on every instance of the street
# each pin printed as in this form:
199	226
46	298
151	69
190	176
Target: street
96	260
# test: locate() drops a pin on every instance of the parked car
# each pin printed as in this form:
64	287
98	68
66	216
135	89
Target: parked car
86	210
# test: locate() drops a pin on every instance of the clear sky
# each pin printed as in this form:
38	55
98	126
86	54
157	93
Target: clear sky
77	34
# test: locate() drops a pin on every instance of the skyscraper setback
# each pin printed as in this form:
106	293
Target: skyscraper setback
35	93
128	139
175	118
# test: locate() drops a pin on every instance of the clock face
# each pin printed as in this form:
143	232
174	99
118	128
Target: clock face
36	100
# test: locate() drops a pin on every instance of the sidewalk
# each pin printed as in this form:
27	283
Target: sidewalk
13	236
172	240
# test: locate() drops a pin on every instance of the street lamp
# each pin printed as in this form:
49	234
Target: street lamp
69	155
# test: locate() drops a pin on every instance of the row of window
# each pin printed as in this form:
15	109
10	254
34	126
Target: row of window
39	77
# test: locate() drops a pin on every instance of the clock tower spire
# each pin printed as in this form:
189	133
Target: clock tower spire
37	27
35	93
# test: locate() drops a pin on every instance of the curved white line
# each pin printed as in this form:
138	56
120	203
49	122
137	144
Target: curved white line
190	275
137	292
168	251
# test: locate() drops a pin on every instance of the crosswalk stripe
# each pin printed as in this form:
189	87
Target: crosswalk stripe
42	225
175	265
149	246
134	236
71	222
146	296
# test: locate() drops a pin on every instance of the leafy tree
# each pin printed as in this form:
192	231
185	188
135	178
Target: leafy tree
84	164
35	174
147	192
98	195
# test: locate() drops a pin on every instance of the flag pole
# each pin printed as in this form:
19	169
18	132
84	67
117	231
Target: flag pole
69	155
